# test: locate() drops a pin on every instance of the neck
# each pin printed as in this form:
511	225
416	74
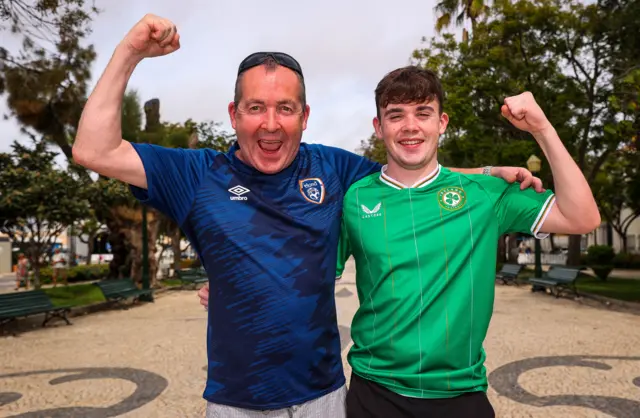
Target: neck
409	177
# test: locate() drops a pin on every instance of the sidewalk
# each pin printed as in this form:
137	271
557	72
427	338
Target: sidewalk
546	358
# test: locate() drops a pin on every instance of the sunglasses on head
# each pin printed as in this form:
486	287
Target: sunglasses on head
259	58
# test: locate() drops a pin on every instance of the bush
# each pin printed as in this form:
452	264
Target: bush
600	259
626	261
81	273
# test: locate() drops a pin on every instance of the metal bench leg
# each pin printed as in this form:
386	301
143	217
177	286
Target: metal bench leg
60	314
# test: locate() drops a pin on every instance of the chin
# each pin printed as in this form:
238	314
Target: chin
272	166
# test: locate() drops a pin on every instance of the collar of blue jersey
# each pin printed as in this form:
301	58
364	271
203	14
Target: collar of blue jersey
423	182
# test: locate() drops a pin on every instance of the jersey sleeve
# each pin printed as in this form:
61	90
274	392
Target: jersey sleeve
173	175
522	210
344	250
350	167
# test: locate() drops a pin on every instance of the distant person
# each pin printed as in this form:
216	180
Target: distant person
22	272
59	266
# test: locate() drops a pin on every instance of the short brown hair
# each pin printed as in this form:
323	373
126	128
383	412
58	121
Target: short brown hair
270	64
406	85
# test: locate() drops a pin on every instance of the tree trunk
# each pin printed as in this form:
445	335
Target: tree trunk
573	256
513	248
119	249
90	245
552	242
175	246
502	247
133	231
623	239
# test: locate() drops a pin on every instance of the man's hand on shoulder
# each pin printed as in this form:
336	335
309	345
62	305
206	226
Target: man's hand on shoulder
519	174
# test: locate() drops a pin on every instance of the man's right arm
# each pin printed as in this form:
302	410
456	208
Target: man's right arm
99	145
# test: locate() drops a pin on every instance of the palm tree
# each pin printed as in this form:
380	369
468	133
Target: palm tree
461	9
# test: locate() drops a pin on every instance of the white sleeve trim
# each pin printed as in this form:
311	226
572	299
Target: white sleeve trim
542	216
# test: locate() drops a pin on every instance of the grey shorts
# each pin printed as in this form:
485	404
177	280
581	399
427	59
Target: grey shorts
330	405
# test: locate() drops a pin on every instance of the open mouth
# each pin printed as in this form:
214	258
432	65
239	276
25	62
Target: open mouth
270	146
411	143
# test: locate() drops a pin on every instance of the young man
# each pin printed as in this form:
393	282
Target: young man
424	242
264	218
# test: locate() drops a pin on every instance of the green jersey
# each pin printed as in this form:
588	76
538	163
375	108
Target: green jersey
425	269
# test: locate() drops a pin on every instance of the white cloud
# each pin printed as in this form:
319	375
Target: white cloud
344	47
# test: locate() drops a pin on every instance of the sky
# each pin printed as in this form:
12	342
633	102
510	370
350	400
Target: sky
344	48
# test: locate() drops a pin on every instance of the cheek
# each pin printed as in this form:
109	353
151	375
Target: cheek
292	127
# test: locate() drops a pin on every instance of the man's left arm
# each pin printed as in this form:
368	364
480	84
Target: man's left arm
575	210
353	167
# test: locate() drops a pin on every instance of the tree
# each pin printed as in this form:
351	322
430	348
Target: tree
461	9
46	80
373	149
37	200
617	188
563	54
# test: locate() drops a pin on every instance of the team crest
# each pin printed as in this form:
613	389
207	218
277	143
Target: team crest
452	198
313	190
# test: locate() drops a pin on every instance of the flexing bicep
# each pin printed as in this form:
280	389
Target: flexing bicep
557	223
122	163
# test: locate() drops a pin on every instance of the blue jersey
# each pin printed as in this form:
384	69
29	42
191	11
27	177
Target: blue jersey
269	246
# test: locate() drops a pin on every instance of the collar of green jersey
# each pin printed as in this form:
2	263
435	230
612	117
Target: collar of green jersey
423	182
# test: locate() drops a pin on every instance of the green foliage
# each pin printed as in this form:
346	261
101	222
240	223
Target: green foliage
79	273
374	149
617	190
46	80
38	200
211	135
600	259
625	260
461	10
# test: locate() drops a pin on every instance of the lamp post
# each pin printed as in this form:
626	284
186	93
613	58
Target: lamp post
534	164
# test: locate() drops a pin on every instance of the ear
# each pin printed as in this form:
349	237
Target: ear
232	114
305	116
377	126
444	122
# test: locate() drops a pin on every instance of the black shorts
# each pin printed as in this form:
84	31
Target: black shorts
366	399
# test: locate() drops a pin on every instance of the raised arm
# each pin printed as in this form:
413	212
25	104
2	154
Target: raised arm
575	210
99	145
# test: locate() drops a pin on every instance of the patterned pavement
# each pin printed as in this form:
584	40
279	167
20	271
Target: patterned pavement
545	358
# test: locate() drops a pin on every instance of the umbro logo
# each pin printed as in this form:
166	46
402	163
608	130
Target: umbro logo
371	213
238	191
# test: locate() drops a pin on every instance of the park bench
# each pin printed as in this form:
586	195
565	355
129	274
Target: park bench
509	273
32	302
119	290
192	277
558	280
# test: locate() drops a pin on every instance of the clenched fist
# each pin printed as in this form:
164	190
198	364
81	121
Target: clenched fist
152	36
525	114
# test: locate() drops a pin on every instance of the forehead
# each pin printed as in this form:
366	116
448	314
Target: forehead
260	83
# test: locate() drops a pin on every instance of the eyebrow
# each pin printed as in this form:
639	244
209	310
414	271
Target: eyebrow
281	102
395	110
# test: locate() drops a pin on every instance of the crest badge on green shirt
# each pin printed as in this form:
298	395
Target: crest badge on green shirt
452	198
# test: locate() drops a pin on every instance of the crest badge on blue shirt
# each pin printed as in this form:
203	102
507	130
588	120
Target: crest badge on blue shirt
312	189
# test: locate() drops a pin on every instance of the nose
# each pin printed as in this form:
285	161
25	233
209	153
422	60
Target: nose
270	122
410	125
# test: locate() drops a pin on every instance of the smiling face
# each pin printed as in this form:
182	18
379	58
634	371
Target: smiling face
269	117
410	133
410	118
